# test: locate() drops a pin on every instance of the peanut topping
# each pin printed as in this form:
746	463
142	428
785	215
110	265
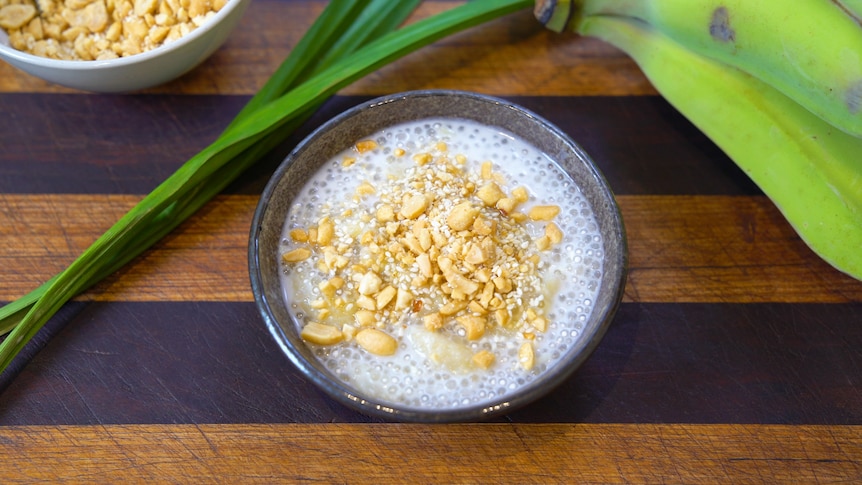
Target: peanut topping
364	189
437	246
433	321
483	359
462	216
298	254
486	171
422	158
526	356
553	233
544	212
376	342
365	318
86	30
320	334
490	193
414	206
474	327
365	146
299	235
369	284
506	205
520	194
325	230
16	15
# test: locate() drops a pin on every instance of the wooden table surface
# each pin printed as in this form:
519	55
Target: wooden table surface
735	357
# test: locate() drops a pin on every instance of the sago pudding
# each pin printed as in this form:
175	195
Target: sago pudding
440	263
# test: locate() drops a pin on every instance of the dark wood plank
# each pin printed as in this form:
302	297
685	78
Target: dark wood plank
103	144
209	362
619	453
129	144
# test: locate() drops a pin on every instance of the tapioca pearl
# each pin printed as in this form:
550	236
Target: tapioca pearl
511	162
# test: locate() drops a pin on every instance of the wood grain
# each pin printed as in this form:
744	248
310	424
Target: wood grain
723	249
729	320
489	453
215	362
536	61
73	143
682	249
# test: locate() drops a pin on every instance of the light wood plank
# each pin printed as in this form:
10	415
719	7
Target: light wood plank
392	453
723	249
514	55
682	249
204	259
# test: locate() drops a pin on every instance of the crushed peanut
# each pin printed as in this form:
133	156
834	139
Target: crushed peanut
295	255
483	359
526	355
440	246
543	212
376	342
87	30
321	334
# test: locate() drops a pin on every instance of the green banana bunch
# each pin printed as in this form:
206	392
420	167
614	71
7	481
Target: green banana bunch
811	50
853	7
810	169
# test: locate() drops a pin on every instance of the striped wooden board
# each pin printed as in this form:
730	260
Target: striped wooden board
735	355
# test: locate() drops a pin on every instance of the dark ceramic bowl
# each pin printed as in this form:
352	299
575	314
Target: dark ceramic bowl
370	117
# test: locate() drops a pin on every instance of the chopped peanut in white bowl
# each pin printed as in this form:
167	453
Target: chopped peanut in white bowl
113	45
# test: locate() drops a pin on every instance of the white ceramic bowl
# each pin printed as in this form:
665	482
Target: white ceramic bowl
136	72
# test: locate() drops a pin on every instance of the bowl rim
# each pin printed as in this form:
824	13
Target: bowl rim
10	52
534	390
